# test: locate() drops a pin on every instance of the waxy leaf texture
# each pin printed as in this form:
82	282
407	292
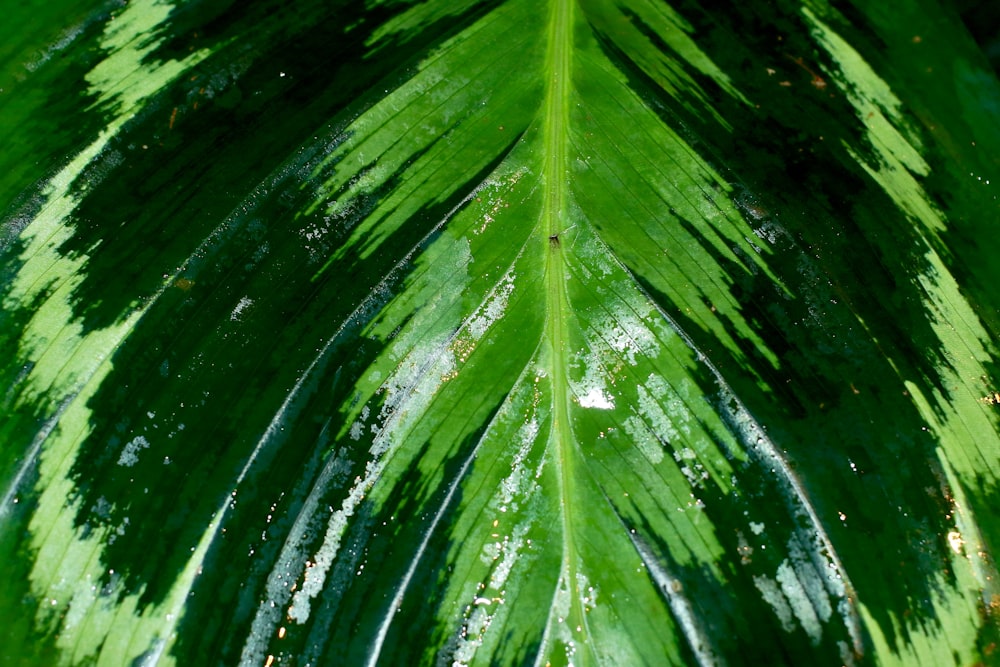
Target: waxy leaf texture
446	332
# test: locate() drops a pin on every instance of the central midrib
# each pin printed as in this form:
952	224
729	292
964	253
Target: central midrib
558	68
558	72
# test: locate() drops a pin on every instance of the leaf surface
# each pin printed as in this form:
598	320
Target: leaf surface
587	332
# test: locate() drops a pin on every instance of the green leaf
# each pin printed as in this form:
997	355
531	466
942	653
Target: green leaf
581	332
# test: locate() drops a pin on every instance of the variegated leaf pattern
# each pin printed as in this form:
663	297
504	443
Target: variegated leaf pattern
581	332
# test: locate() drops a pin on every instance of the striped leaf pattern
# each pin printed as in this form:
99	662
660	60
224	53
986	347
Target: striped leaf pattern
448	332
